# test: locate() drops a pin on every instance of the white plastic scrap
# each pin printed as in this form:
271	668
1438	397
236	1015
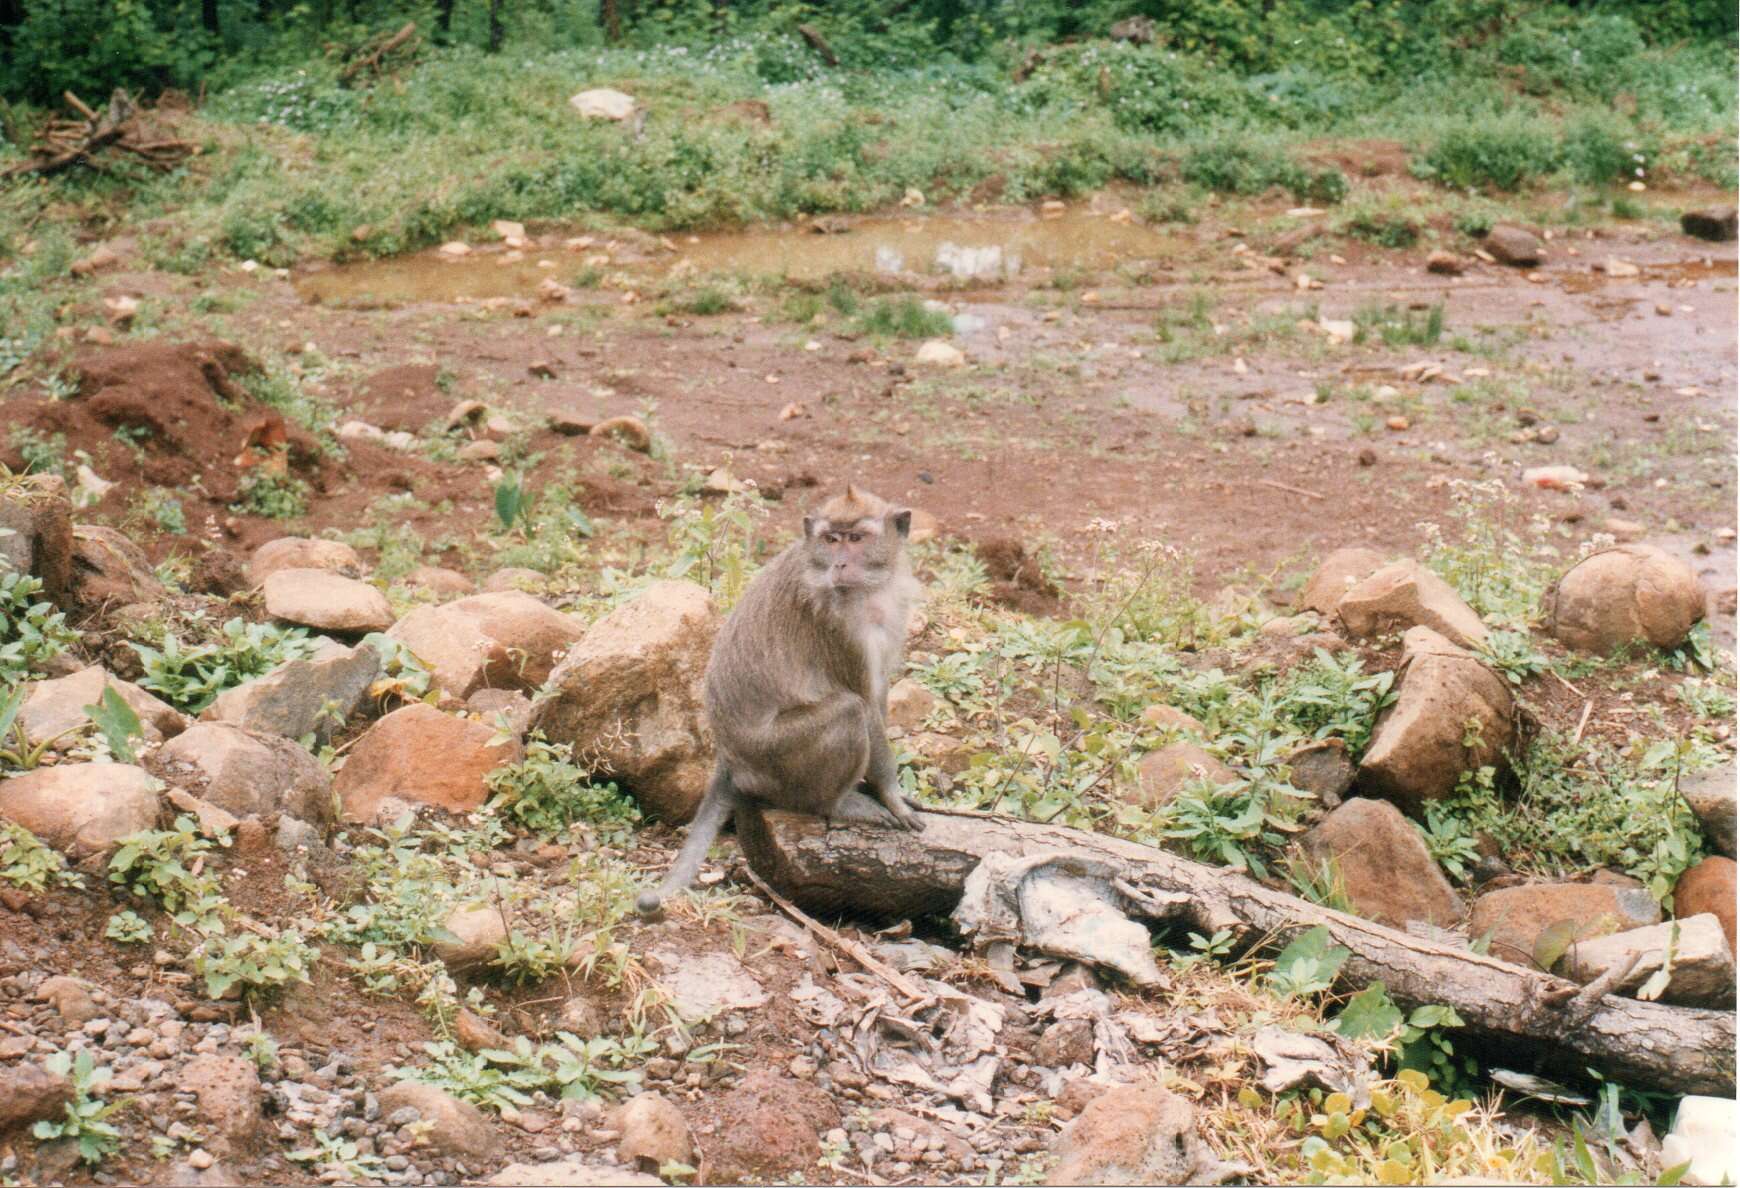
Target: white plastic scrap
1058	903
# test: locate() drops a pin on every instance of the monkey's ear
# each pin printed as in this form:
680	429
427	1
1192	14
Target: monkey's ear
810	523
902	521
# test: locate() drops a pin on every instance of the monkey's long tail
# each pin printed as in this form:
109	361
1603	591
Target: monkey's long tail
716	808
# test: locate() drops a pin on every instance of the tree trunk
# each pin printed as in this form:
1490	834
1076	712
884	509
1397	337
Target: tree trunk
444	17
495	26
883	872
208	16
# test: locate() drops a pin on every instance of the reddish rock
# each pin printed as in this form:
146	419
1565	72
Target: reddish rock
1340	572
1162	773
1514	917
1382	865
1134	1134
420	755
628	697
1632	592
1708	887
769	1130
1444	698
1406	594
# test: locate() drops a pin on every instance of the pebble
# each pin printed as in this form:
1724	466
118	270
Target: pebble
200	1158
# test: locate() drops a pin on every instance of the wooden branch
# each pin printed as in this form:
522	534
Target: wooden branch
371	60
819	43
885	872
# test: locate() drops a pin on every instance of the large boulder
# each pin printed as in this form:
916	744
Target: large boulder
1452	714
419	755
1630	592
501	640
1701	973
1513	918
326	601
301	552
54	707
1380	862
1406	594
1340	572
301	697
1711	796
245	773
1134	1134
110	570
81	808
457	1128
628	697
36	533
1708	887
1163	773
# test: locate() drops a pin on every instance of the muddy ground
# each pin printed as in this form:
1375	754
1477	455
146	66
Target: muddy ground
1069	414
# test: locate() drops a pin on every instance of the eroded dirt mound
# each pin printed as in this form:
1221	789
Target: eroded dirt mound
162	414
1016	577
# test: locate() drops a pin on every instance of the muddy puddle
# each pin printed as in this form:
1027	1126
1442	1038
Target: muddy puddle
990	248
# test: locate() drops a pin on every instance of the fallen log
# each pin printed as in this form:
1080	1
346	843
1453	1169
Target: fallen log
373	56
887	872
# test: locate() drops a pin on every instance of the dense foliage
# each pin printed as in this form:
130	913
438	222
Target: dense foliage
1288	48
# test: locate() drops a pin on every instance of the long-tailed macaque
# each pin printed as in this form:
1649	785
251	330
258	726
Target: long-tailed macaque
797	687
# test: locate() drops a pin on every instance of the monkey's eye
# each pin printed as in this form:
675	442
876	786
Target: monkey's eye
854	537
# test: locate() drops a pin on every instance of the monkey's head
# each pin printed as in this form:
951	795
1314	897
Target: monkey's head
854	541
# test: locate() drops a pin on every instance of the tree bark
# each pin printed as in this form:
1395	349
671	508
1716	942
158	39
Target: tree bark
885	872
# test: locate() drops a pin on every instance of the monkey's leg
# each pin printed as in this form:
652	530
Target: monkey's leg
716	808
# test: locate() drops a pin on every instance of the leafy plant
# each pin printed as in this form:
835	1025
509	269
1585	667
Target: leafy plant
1307	965
1231	823
128	927
84	1119
546	792
250	963
1513	654
117	723
165	866
27	863
1448	840
264	491
190	678
32	631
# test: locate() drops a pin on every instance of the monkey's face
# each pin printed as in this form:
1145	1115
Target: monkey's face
855	554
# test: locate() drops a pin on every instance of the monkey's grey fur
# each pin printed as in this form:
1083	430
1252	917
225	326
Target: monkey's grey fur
797	687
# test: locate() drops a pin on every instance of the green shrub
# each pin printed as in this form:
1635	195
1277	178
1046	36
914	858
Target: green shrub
546	792
1503	154
904	317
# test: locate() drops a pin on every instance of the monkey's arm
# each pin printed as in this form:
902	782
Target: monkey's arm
884	777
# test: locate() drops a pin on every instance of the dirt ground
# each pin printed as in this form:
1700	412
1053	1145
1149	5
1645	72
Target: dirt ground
1069	414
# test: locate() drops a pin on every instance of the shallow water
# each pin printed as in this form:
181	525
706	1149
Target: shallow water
990	248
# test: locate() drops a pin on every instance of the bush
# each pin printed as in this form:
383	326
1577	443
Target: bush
1503	154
